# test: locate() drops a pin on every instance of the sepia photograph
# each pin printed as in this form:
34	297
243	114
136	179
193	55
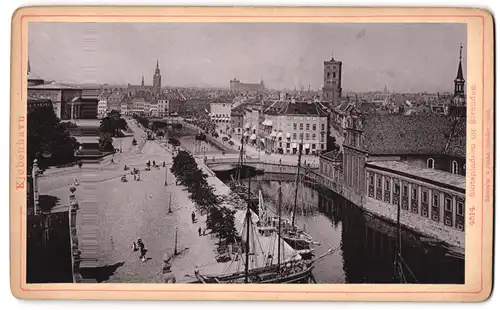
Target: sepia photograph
219	153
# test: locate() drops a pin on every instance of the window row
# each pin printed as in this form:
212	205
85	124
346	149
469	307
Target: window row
308	126
442	207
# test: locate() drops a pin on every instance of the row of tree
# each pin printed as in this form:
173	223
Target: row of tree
220	220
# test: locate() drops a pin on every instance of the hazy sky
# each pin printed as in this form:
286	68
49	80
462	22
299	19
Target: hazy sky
405	57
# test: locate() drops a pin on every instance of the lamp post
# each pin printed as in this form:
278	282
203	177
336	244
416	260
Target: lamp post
175	247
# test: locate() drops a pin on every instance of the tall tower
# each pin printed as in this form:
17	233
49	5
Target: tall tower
332	88
142	82
157	78
459	80
458	104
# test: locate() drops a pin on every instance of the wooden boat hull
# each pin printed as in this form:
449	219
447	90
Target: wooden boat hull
298	276
297	243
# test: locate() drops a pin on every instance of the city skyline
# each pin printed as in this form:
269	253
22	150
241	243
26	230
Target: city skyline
403	57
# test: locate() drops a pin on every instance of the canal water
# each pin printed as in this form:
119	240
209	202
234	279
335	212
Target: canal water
364	245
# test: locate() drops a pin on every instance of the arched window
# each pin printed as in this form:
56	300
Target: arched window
454	167
430	163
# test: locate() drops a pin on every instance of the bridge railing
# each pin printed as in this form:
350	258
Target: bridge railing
254	161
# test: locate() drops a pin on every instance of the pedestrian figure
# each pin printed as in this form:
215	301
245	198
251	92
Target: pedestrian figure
142	248
204	231
193	217
79	164
134	246
135	177
154	163
163	164
199	231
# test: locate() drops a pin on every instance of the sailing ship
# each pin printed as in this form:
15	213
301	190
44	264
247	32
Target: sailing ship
297	238
260	263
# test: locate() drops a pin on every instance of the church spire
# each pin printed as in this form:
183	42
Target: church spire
29	67
157	64
459	80
142	82
460	75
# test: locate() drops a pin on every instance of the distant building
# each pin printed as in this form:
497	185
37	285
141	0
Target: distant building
163	107
332	88
102	108
251	129
235	86
138	105
289	123
69	102
237	120
220	114
155	89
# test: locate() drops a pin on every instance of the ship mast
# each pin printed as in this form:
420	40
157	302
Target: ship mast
297	181
280	197
240	162
247	244
397	251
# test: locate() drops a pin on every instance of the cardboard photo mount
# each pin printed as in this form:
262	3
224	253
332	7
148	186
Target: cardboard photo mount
480	151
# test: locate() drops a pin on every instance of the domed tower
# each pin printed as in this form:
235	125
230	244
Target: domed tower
157	78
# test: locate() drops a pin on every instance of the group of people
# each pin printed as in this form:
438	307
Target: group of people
194	220
148	165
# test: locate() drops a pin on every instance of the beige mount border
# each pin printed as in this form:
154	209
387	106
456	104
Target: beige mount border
479	148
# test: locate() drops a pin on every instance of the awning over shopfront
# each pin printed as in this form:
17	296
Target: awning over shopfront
306	146
273	134
288	135
294	145
253	137
245	134
247	125
254	127
280	135
263	141
267	122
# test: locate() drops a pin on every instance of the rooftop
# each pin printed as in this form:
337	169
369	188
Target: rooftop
414	134
432	175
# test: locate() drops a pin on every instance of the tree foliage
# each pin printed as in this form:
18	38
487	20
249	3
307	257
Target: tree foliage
142	120
106	142
220	220
112	124
48	139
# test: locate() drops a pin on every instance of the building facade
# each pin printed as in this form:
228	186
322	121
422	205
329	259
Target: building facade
412	162
220	114
237	121
235	86
102	108
293	122
163	107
